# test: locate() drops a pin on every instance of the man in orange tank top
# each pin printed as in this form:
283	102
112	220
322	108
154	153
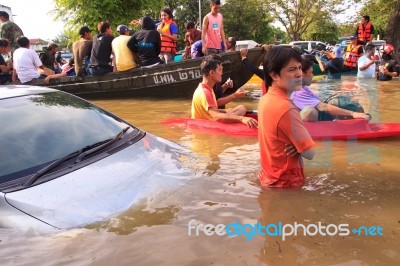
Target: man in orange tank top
213	33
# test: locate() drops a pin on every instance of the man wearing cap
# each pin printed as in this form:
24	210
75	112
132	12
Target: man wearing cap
124	58
366	63
10	30
334	64
81	50
352	53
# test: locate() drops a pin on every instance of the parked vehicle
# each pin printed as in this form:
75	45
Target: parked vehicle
309	46
65	162
248	44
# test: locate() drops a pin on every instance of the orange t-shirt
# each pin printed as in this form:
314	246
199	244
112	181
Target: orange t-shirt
279	123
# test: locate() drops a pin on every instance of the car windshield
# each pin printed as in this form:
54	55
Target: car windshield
38	129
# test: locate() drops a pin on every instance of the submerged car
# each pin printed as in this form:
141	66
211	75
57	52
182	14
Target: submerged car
65	162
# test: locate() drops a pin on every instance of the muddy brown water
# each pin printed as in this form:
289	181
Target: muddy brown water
349	182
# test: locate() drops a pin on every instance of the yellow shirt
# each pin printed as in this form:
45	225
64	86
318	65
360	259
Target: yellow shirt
123	56
203	98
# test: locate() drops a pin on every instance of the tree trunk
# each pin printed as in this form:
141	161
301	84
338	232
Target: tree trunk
393	30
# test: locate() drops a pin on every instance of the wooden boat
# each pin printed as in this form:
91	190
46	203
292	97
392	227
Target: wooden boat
163	81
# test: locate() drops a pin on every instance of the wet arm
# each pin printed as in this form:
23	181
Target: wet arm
255	70
334	110
367	65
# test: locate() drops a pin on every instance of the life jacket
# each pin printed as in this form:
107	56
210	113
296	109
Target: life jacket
364	33
351	56
167	45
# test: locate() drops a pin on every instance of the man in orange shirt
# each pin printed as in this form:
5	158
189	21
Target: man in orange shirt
282	136
204	103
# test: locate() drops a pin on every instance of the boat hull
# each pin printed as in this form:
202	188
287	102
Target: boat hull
174	80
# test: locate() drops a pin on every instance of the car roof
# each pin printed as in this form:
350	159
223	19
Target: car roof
9	91
305	42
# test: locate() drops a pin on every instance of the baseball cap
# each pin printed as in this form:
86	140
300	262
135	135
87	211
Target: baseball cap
121	29
83	30
338	51
353	37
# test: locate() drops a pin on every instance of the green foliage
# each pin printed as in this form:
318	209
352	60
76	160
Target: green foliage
323	29
380	12
346	30
247	19
76	13
65	39
298	15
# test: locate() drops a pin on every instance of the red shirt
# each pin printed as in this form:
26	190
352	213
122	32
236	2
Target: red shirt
279	123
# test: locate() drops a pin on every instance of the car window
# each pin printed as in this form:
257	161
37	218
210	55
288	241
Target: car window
302	45
313	45
320	47
37	129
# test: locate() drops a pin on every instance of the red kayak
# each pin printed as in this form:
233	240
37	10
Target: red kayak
334	130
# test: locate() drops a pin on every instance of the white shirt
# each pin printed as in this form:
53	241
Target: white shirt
26	61
367	73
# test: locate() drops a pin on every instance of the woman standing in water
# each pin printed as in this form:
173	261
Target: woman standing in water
283	138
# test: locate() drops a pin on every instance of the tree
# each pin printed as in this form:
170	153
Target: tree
346	29
297	15
323	29
393	29
76	13
247	20
64	40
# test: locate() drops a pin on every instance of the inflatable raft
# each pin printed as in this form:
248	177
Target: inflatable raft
333	130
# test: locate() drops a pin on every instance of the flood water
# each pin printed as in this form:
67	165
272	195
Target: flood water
349	182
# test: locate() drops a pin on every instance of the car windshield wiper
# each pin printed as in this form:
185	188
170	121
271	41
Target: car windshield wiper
80	153
102	146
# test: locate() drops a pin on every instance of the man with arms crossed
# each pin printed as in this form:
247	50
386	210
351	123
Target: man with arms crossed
282	136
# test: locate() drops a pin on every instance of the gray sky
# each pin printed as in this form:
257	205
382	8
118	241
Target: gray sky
32	18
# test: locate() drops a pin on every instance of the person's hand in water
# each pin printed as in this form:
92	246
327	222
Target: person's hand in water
366	116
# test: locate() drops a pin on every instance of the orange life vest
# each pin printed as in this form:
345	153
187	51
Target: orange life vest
167	45
364	33
351	56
